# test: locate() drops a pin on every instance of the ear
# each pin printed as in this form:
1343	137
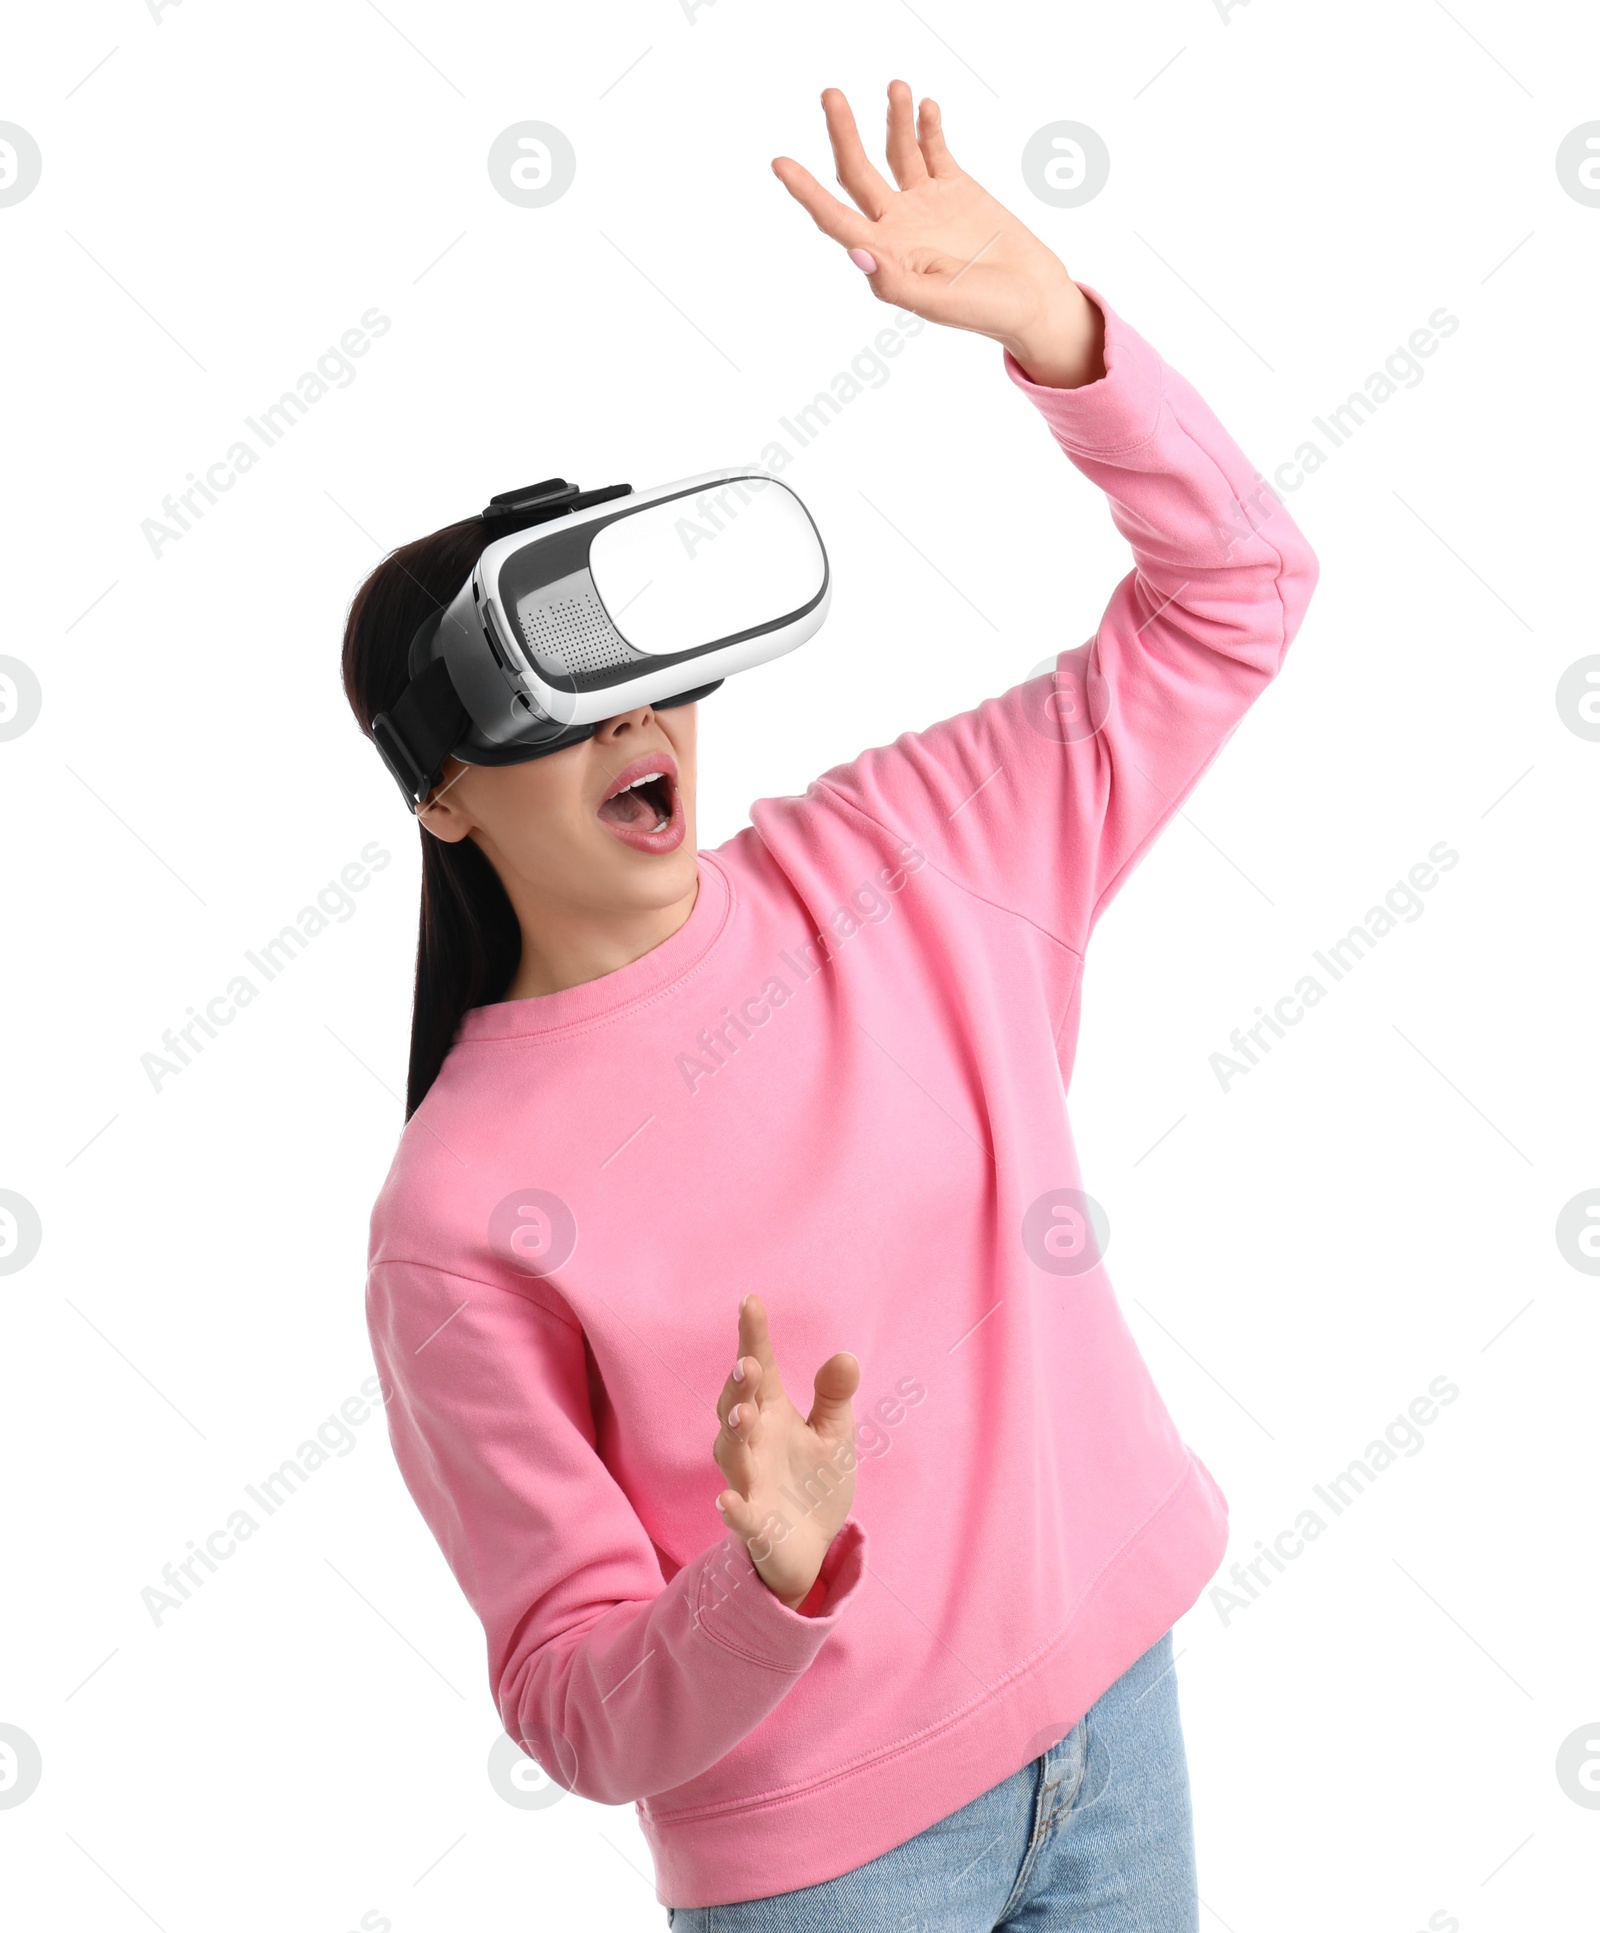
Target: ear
443	815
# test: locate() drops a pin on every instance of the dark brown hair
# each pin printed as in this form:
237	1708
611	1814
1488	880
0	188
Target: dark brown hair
468	940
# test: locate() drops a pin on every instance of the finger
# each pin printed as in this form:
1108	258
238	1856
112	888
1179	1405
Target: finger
857	176
900	145
835	1383
917	284
743	1423
742	1518
930	138
743	1384
733	1449
755	1340
830	214
935	286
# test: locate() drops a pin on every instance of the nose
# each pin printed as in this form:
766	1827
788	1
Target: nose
610	729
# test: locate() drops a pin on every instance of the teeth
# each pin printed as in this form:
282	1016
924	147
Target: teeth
647	778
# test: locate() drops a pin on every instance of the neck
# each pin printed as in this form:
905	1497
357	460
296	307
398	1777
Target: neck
565	946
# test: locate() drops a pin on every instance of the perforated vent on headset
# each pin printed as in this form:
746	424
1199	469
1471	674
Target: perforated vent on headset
574	631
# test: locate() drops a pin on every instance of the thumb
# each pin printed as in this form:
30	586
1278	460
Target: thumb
835	1383
890	281
926	289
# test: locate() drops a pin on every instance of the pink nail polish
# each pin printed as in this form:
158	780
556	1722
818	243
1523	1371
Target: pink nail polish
863	261
733	1417
738	1370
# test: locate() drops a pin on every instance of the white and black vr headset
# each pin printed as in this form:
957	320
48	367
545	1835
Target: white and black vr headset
585	604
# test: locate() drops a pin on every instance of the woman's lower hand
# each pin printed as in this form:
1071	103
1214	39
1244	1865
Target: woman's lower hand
792	1478
944	248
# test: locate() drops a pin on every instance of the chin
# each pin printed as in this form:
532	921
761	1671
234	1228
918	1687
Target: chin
652	879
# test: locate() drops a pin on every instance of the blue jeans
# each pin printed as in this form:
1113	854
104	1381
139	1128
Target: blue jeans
1096	1836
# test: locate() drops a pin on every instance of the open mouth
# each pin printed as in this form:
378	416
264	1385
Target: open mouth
642	807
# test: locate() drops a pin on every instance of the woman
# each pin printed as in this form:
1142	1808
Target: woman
919	1673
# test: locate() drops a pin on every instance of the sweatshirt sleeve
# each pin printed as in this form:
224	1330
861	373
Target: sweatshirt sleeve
620	1683
1042	799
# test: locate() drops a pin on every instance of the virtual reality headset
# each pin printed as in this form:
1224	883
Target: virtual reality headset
585	604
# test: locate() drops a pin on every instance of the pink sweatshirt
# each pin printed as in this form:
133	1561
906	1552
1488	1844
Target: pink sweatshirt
841	1083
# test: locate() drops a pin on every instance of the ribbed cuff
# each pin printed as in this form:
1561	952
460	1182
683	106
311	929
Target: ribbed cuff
737	1610
1120	410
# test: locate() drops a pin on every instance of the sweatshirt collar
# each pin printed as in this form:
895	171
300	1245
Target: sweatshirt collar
612	993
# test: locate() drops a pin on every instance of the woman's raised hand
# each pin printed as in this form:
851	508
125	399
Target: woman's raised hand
944	248
792	1478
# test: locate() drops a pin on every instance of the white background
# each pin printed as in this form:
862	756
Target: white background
1293	191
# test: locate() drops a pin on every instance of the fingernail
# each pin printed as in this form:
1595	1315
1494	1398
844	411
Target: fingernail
733	1417
722	1506
738	1370
863	261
